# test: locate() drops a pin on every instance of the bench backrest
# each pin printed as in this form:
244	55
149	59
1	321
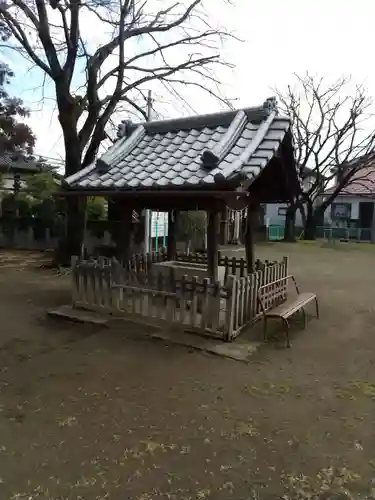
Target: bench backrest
274	293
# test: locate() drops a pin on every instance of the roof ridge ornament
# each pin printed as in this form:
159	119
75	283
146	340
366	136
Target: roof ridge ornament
249	150
125	128
212	158
270	105
120	150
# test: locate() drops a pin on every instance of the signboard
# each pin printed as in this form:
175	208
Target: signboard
341	210
159	224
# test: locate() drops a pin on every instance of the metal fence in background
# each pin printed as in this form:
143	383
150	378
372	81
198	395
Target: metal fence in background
344	234
276	233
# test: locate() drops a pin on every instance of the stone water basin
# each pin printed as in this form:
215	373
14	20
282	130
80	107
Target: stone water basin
189	268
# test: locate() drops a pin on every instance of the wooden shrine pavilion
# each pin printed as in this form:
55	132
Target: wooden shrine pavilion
236	159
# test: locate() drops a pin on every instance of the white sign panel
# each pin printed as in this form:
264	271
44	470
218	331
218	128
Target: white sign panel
159	224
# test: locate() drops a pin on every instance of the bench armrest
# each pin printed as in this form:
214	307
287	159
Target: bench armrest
267	285
289	277
295	283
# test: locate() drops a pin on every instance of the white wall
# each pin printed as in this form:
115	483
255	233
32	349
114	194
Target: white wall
354	201
7	182
273	216
272	209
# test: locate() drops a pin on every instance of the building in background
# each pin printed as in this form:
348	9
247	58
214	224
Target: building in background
275	214
354	206
15	169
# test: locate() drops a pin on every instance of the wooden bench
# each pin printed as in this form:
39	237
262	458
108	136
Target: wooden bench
275	304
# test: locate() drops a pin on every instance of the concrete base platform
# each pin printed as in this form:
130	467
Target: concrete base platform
240	350
78	315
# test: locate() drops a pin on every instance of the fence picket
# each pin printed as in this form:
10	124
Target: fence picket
91	285
107	284
215	307
183	300
242	267
205	309
151	285
233	265
160	300
230	310
75	280
99	285
255	301
85	298
225	262
194	302
242	301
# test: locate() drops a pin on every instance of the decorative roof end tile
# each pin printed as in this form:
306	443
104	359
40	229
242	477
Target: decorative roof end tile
209	160
101	166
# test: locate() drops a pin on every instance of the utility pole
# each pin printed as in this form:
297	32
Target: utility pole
147	211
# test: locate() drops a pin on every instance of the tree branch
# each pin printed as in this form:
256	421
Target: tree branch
57	47
18	33
45	38
327	121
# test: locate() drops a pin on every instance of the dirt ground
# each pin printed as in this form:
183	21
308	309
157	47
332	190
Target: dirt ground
93	413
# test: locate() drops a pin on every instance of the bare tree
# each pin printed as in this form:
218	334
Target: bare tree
142	41
333	141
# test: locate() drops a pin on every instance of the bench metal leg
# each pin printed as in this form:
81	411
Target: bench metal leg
286	323
304	317
317	307
265	329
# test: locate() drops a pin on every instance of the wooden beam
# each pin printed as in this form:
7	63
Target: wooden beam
213	244
249	237
167	204
172	226
229	193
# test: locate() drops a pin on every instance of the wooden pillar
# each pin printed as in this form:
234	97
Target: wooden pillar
372	239
125	233
172	226
213	244
249	237
224	226
237	226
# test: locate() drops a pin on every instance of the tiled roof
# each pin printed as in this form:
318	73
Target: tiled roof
362	183
193	151
14	161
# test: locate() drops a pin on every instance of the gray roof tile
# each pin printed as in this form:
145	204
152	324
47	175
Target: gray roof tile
169	153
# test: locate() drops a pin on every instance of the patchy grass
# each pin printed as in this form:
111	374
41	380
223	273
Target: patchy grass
94	413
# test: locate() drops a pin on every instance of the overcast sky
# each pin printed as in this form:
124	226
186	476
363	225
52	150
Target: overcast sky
280	38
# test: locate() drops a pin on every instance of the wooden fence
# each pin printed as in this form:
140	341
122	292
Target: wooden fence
244	307
233	265
205	307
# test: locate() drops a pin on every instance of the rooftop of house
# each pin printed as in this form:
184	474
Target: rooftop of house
198	151
306	172
362	183
15	163
18	162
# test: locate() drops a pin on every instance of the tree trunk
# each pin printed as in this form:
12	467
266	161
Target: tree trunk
289	228
303	214
71	241
310	224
